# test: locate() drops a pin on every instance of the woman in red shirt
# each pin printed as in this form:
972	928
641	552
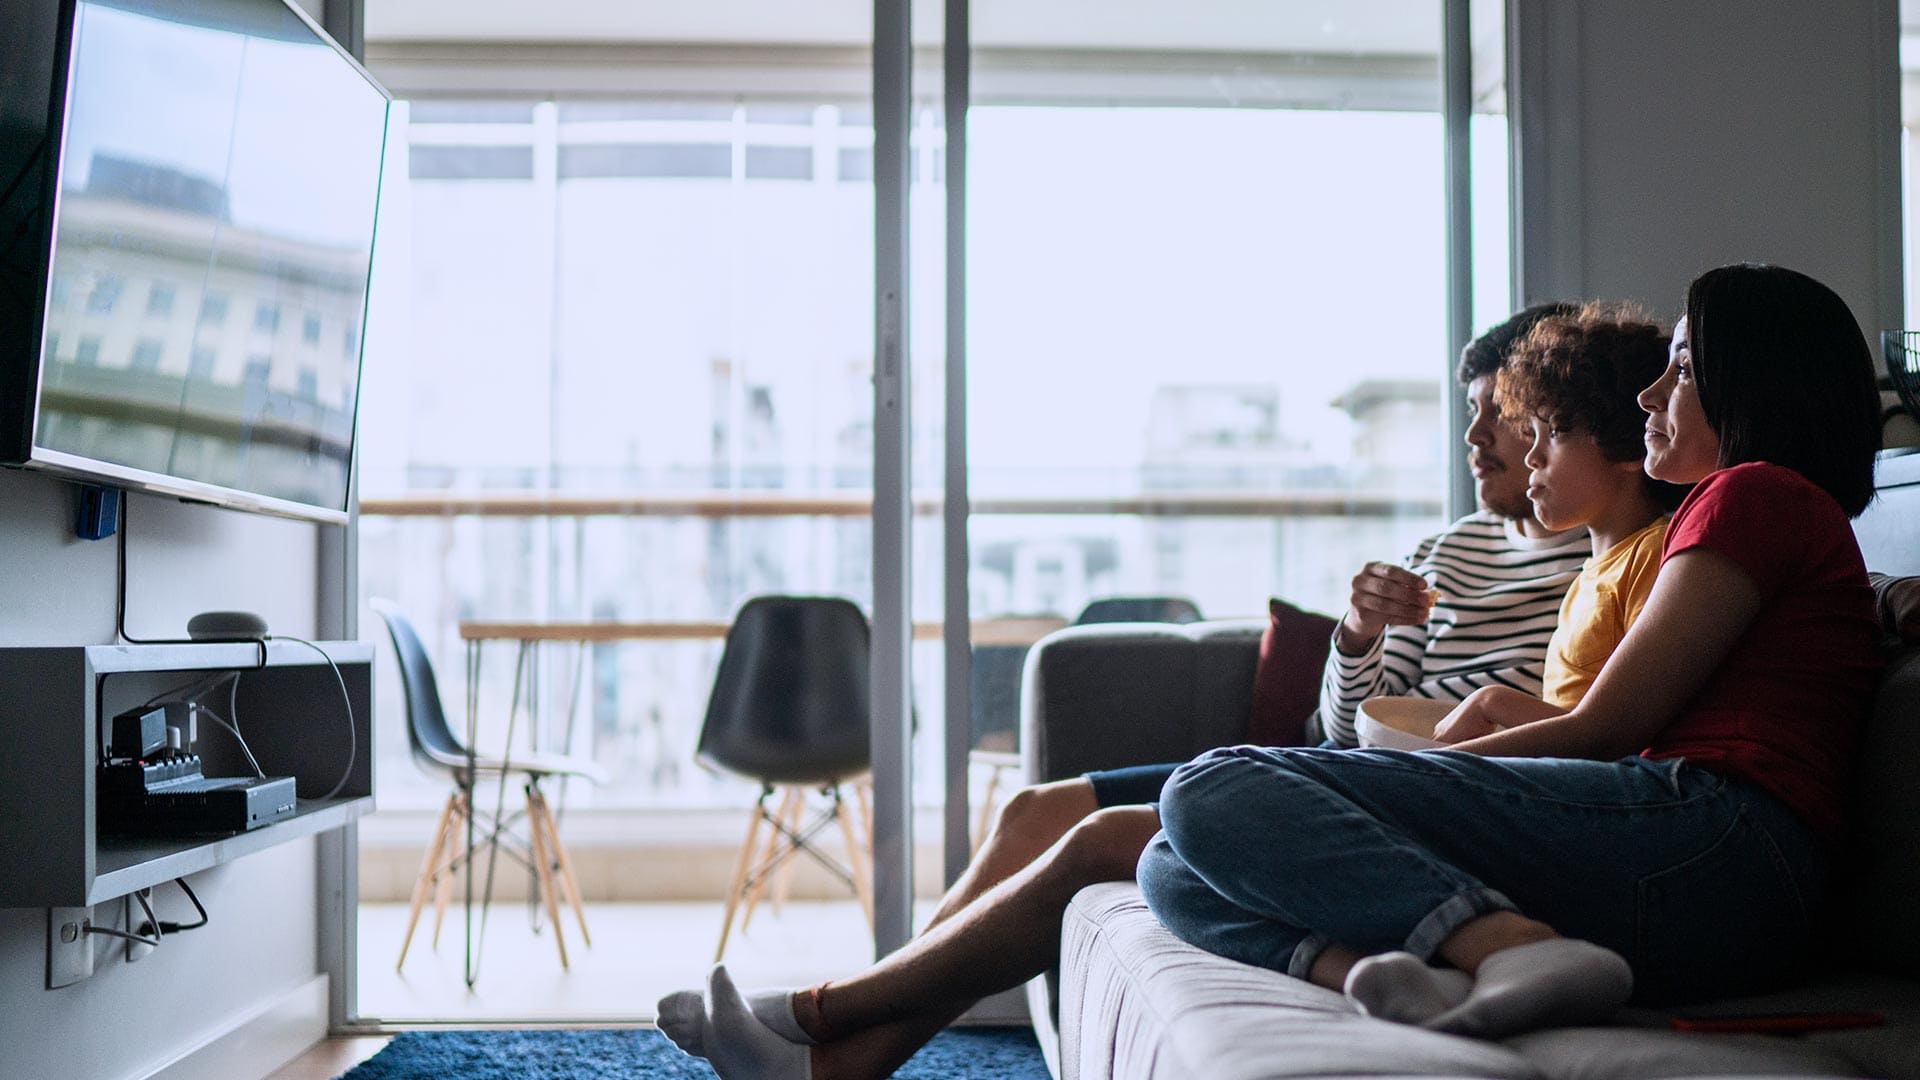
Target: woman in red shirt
1670	837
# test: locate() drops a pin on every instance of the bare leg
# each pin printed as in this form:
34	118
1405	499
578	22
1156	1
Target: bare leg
1331	968
874	1021
1030	822
1470	945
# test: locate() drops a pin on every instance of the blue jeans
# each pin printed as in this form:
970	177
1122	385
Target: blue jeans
1707	886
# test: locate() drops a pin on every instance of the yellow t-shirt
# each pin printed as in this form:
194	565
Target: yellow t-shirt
1601	604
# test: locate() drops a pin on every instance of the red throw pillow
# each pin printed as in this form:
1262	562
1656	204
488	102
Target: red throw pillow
1286	680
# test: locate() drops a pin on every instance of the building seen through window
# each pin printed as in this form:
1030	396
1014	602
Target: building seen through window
658	299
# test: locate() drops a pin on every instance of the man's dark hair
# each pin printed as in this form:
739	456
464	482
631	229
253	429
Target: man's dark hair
1487	353
1583	372
1785	376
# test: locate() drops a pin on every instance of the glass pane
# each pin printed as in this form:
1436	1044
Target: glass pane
1207	348
634	392
1901	429
1492	201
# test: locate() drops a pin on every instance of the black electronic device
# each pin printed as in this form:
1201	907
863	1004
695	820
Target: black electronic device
170	796
137	733
226	626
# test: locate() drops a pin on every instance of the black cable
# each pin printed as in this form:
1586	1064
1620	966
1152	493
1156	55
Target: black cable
120	627
120	598
146	905
110	932
161	928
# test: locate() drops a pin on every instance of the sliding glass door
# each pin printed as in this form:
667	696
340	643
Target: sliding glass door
1206	325
1167	293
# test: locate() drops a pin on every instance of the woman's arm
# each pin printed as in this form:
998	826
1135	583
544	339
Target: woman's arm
1701	604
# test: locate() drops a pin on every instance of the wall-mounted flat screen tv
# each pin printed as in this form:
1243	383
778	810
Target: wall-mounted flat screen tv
188	188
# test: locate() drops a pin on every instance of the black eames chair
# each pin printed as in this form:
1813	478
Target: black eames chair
437	749
1160	609
996	689
790	710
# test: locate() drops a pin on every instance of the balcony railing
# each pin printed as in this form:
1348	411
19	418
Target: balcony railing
649	667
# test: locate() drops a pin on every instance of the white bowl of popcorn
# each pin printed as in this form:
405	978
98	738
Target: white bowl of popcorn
1400	723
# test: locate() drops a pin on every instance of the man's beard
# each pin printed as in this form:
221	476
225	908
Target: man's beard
1519	508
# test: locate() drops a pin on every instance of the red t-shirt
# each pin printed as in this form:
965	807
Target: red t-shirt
1784	710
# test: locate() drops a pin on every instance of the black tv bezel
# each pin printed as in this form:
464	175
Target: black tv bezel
25	24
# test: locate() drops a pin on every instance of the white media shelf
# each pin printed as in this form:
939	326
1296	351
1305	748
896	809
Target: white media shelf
56	703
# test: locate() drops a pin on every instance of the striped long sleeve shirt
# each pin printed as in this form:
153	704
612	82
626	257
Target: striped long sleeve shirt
1500	596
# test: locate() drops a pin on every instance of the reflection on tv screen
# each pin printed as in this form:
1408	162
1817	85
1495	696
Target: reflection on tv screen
218	182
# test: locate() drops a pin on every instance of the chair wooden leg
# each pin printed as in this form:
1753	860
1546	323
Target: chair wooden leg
857	857
862	794
455	847
541	871
420	884
985	817
783	884
740	873
568	883
777	844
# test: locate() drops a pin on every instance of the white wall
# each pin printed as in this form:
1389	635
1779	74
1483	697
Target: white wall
129	1019
1660	139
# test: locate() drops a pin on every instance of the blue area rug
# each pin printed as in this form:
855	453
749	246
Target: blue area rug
978	1053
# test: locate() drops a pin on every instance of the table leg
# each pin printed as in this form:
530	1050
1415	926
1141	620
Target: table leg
468	785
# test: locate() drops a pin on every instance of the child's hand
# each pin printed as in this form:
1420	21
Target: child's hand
1384	595
1468	720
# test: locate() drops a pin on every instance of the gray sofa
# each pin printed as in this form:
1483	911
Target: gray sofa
1131	1001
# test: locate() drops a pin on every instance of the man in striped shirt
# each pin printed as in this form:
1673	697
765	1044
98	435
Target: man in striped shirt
1499	576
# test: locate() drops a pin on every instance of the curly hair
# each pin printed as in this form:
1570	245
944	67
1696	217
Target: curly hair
1584	371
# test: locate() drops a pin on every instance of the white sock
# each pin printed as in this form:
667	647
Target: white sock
740	1045
1401	987
683	1019
1552	983
774	1008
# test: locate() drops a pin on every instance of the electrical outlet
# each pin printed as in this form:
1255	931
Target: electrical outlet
69	946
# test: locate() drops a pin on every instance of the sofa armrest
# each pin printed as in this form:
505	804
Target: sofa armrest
1115	694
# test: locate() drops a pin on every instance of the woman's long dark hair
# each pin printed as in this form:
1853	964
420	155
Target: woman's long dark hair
1785	376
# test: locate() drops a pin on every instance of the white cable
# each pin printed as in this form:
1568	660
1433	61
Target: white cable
242	739
353	736
191	690
207	684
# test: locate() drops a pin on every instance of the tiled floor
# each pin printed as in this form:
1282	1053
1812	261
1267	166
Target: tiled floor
639	952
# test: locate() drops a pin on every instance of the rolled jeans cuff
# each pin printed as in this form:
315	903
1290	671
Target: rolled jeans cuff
1441	922
1305	953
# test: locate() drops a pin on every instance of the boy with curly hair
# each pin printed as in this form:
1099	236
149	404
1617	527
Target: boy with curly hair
1572	383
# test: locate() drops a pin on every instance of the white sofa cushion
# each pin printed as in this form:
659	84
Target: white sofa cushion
1136	1003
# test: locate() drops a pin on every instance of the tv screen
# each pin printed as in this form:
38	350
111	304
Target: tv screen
207	179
